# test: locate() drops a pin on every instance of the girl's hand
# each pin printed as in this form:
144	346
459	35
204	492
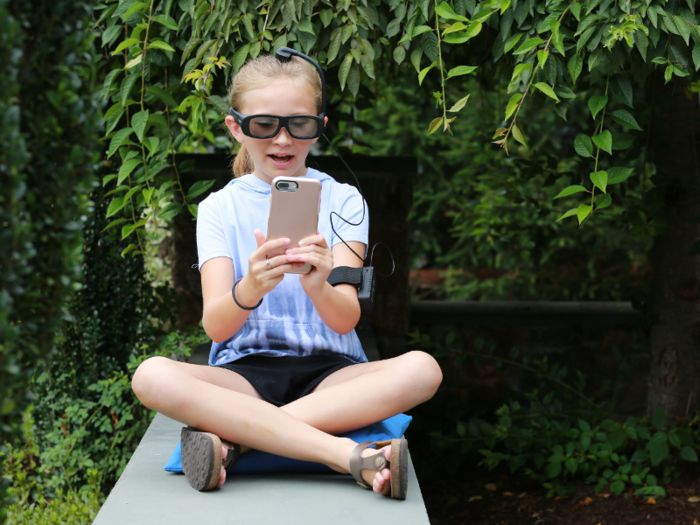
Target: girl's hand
264	274
313	250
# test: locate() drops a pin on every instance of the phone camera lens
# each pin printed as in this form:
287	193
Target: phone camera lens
284	185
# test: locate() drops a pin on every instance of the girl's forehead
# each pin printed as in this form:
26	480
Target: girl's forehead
279	98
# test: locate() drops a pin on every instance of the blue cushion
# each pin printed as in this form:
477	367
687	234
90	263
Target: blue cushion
256	462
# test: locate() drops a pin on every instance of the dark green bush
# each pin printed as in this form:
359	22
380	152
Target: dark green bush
48	145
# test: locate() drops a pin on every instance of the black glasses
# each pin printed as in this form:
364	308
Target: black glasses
267	126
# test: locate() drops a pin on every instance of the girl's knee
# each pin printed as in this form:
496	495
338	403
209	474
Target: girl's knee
148	378
423	371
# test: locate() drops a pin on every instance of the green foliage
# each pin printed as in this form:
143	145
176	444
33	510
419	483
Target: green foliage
48	148
556	434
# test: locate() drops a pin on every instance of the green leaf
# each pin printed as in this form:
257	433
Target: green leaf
429	43
305	25
420	30
167	21
622	141
519	70
542	57
193	208
603	201
126	86
117	140
162	94
583	145
459	105
642	43
108	82
564	92
595	104
189	47
512	41
326	17
422	74
126	43
367	65
622	89
354	80
569	213
460	70
570	191
344	70
547	90
416	55
434	125
117	204
110	34
399	54
126	169
624	118
513	104
113	120
557	39
528	45
583	211
575	66
696	56
617	487
658	450
334	45
134	61
618	175
668	74
199	187
604	141
139	122
599	179
517	135
571	465
114	223
170	211
129	248
683	29
587	21
445	11
239	58
160	44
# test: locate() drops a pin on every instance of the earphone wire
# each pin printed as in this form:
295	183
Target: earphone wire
359	188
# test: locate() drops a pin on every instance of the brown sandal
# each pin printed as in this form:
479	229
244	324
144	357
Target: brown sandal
398	465
201	457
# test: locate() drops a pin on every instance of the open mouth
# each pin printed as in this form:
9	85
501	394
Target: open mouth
281	159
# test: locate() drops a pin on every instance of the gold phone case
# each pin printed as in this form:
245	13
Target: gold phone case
293	212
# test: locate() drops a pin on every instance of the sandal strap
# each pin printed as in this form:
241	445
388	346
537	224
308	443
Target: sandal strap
232	454
374	462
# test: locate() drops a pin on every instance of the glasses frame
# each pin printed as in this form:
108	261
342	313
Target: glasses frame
244	122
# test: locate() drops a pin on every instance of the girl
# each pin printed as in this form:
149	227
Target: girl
287	370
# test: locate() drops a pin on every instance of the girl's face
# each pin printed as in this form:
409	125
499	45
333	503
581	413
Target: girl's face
281	154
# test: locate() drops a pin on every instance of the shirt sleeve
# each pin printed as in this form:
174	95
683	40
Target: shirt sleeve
351	209
211	240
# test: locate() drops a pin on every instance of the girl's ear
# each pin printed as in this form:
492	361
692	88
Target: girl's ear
325	123
234	128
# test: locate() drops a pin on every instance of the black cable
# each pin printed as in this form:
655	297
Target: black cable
359	188
393	263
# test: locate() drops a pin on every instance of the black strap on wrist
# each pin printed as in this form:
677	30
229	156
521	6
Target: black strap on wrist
233	292
345	275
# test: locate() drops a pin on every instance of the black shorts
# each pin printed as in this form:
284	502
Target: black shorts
281	380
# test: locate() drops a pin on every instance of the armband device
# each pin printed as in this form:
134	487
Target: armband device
363	278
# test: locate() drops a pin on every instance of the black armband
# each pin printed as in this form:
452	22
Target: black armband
362	278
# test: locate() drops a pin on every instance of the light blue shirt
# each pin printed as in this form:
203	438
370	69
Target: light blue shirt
286	323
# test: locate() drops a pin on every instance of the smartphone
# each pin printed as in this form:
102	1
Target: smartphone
295	203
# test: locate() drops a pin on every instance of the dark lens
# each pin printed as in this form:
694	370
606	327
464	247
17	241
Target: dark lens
303	127
263	126
284	185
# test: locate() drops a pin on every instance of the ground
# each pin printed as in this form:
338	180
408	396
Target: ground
498	498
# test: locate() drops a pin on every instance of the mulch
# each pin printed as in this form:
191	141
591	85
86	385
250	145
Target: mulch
499	498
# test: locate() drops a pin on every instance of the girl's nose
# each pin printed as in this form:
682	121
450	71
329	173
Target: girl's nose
283	137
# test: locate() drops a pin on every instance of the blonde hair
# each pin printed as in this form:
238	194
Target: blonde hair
262	72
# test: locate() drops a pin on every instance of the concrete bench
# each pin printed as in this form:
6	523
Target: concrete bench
147	495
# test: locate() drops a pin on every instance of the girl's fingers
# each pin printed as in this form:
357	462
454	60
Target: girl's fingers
267	247
314	248
317	239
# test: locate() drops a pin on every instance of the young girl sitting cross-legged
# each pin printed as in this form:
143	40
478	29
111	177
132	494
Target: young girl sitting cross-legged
287	371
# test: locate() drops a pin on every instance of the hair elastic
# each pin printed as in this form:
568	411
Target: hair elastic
233	292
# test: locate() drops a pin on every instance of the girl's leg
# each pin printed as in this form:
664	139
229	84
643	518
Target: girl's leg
362	394
203	398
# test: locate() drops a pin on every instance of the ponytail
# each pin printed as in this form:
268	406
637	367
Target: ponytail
242	164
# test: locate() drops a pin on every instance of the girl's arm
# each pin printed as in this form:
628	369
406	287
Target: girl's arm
221	317
337	306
